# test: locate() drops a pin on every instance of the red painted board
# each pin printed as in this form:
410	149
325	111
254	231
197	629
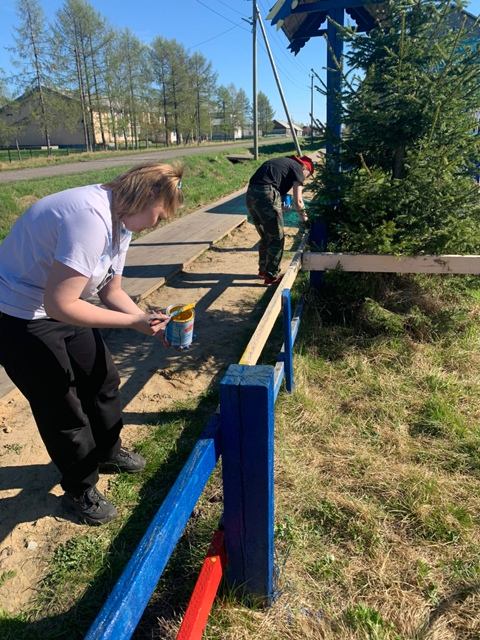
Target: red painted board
205	590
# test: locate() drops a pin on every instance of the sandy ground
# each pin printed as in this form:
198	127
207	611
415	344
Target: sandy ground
224	285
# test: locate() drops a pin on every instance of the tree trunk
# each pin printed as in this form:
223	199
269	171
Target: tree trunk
399	163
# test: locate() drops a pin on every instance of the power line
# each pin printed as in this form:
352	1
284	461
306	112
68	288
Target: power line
213	38
219	14
287	74
232	9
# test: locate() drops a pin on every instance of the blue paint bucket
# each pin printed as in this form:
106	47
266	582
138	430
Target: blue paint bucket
179	330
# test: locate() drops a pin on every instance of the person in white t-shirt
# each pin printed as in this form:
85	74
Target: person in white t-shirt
64	248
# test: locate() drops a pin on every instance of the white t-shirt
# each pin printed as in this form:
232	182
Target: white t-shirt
73	227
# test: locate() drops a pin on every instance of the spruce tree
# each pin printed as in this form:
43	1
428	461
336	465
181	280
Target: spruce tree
402	179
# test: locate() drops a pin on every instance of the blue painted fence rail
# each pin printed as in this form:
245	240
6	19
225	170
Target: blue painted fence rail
247	398
124	607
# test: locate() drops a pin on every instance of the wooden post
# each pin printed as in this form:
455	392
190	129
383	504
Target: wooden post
318	242
334	58
318	230
247	430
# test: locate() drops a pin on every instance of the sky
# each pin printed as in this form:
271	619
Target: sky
219	30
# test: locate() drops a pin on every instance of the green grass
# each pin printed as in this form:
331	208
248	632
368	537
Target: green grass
377	475
208	177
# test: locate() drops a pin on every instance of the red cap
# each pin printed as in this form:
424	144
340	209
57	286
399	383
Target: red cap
308	162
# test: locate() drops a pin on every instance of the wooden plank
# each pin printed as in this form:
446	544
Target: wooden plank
286	353
247	430
259	338
124	607
163	253
201	601
236	158
454	264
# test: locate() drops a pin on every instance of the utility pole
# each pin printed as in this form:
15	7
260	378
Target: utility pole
255	100
311	109
253	22
280	90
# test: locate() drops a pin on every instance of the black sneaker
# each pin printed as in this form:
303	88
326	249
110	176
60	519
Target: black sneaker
124	460
91	506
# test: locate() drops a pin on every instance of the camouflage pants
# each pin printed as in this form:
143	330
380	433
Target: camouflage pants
265	206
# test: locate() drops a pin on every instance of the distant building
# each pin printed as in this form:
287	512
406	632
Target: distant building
19	116
219	132
30	133
281	128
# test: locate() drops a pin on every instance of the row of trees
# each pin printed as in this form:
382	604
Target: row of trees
116	85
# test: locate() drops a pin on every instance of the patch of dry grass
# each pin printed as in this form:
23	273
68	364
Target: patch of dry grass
377	486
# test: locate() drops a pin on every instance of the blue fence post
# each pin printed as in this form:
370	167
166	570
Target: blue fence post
247	431
287	340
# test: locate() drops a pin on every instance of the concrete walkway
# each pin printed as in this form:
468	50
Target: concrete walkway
161	254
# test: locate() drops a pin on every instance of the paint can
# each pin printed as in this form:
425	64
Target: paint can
179	331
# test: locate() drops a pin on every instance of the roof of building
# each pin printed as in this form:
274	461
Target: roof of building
301	20
285	125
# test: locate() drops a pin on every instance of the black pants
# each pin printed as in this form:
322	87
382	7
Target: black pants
68	376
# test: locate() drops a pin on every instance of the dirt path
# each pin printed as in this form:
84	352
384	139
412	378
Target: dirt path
224	285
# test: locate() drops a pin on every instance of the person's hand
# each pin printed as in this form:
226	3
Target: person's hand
162	336
302	215
151	324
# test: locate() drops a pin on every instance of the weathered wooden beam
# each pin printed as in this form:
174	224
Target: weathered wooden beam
123	609
264	327
391	264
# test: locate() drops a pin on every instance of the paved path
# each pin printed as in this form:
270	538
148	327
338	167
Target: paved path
161	254
120	161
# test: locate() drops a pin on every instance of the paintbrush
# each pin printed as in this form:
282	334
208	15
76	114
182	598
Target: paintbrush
182	309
